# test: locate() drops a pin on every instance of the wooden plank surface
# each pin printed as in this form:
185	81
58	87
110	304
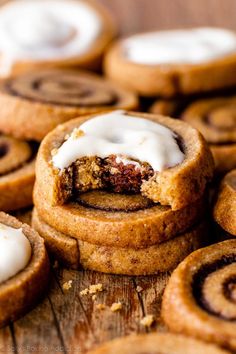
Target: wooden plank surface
65	322
144	15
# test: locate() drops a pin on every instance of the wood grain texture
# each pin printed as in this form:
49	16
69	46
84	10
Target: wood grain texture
67	322
144	15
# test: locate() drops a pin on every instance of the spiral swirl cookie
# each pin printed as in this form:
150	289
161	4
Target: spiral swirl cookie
200	297
34	103
74	253
157	343
52	33
24	268
225	207
17	173
215	118
168	63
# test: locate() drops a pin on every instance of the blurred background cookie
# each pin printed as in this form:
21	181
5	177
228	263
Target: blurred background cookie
174	62
17	173
34	103
62	33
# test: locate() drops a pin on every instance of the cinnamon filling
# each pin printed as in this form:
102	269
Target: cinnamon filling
13	154
109	174
227	285
63	89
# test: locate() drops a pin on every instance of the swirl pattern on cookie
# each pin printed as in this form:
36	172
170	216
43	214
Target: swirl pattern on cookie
55	96
16	173
157	343
225	206
52	32
24	269
215	118
200	297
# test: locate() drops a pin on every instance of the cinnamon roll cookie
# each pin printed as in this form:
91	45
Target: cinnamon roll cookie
157	343
52	33
34	103
199	299
215	118
17	173
225	207
24	268
168	63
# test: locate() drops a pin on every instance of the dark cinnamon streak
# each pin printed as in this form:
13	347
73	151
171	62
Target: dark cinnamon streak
36	86
198	282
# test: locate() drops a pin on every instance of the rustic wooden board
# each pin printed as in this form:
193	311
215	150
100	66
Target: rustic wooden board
67	322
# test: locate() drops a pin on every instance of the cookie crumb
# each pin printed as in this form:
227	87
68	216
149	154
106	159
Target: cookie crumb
84	292
116	306
139	289
147	321
54	152
95	288
100	306
92	290
77	133
67	285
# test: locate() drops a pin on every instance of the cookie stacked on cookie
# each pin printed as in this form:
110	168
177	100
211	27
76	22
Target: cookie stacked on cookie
120	192
189	72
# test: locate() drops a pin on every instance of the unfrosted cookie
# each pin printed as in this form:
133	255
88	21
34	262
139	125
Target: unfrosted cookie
225	207
199	299
17	173
168	63
160	257
43	34
166	160
33	103
24	268
157	343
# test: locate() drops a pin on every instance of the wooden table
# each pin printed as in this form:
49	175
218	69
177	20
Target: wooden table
66	322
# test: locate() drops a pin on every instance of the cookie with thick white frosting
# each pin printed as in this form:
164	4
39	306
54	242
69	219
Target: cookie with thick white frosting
168	63
35	34
24	268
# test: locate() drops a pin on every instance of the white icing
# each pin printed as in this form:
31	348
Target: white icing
15	251
119	134
190	46
47	30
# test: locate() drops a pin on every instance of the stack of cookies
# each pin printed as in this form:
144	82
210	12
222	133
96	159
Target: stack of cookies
122	192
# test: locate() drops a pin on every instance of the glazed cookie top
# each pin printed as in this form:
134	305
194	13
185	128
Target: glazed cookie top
190	46
15	251
129	138
125	152
48	30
